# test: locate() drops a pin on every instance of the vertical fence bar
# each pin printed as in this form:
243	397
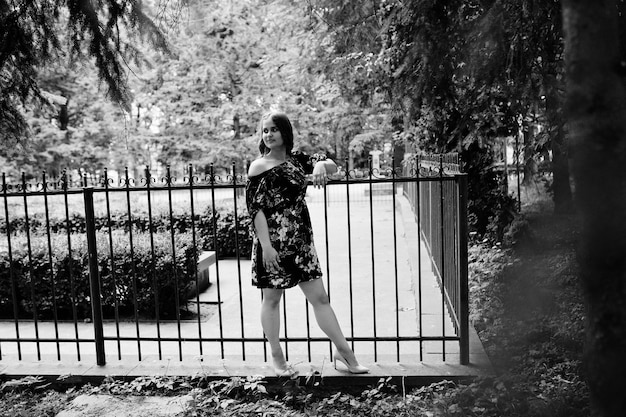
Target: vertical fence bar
237	251
418	211
371	204
64	186
168	182
455	243
463	270
442	270
112	259
127	182
155	285
519	184
94	279
349	255
454	238
308	326
285	332
11	275
55	313
31	272
217	258
430	210
155	282
395	255
194	242
327	241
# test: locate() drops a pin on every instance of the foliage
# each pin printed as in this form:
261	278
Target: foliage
27	404
232	64
216	229
528	310
55	283
147	385
34	36
457	76
490	209
198	105
221	233
93	133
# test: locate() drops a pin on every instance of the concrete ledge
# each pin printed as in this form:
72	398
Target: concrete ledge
205	260
409	375
405	374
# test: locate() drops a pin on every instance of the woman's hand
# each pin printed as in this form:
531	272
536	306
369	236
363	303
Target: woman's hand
320	175
270	259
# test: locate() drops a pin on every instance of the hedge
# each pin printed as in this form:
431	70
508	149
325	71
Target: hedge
119	275
223	223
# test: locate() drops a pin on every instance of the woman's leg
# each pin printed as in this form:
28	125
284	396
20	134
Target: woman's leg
270	320
316	295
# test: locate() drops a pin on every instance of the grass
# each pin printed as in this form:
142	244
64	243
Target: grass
526	305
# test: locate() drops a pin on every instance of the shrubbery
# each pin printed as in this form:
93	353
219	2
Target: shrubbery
209	227
221	232
125	276
490	209
129	273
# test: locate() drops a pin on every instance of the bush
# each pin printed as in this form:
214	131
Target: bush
210	229
490	210
45	283
221	232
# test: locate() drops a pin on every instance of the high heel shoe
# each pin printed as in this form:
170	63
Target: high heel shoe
290	372
353	369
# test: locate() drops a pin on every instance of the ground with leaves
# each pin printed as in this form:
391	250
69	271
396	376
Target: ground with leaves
526	307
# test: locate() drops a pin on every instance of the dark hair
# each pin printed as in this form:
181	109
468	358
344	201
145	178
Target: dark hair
284	127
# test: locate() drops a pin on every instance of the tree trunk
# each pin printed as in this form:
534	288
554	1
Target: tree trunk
530	165
560	164
236	127
597	127
560	171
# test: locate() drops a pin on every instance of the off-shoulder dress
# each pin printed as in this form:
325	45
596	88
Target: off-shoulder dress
279	192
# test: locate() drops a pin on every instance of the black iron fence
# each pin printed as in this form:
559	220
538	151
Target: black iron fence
439	202
159	267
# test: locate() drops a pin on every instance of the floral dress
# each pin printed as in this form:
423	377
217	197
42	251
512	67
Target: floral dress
279	192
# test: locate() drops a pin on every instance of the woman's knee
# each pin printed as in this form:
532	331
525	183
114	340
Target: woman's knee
272	298
315	292
319	300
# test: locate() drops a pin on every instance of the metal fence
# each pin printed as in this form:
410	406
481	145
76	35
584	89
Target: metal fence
439	202
159	267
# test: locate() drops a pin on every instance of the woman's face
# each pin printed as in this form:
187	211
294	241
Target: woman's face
272	138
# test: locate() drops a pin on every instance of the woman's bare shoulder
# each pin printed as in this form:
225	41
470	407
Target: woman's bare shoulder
258	166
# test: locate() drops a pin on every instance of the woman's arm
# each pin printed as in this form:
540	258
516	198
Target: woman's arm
329	164
321	170
270	256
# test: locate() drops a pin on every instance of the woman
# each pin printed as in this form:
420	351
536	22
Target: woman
283	254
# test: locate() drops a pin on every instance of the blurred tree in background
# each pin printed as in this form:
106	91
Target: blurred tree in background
596	119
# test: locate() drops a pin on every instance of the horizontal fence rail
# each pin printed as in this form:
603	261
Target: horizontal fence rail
160	267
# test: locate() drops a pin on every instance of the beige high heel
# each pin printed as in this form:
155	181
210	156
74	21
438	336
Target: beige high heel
290	372
353	369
